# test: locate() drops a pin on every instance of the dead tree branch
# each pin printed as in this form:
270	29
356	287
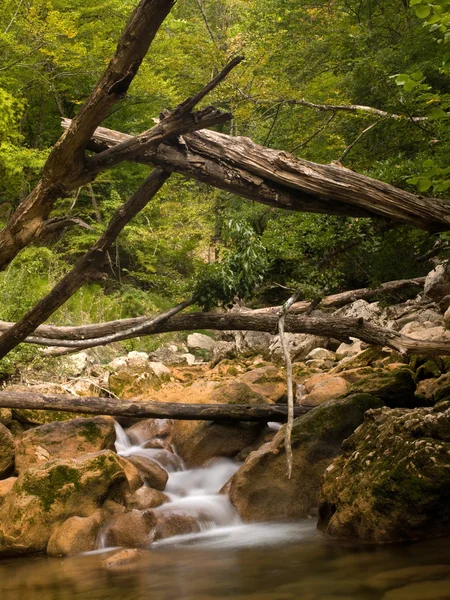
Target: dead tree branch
276	178
149	410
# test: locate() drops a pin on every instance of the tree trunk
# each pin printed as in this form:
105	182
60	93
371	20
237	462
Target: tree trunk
276	178
334	327
149	410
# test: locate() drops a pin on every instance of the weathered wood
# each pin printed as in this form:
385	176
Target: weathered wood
327	326
343	298
274	177
147	409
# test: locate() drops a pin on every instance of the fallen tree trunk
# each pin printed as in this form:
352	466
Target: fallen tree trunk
343	298
148	410
238	165
334	327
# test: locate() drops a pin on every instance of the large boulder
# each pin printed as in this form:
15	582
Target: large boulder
327	388
64	440
42	498
392	481
199	441
269	381
6	451
261	490
396	387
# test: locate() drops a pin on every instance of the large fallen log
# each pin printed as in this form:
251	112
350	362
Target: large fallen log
274	177
147	409
334	327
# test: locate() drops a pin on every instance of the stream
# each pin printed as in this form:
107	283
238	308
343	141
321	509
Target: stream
230	559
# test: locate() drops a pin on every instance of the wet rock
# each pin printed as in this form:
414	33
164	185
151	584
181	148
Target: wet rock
396	388
437	283
74	536
261	491
170	524
42	498
145	498
149	429
122	558
64	440
392	480
154	475
132	529
7	451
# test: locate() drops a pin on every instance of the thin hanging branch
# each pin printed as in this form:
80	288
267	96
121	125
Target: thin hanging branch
290	385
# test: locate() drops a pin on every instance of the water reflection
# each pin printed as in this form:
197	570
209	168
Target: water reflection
246	563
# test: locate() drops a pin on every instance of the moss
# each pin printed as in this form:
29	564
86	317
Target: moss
91	432
50	489
395	388
335	419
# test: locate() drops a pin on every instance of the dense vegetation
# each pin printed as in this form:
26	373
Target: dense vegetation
384	54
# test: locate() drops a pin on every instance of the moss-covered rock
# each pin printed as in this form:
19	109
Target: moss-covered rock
64	440
395	388
6	451
42	498
261	491
392	481
5	416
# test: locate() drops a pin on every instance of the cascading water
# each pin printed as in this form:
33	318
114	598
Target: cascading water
193	492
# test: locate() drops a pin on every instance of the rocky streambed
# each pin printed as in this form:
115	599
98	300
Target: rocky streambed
371	465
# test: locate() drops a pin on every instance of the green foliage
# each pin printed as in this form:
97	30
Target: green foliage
238	272
192	238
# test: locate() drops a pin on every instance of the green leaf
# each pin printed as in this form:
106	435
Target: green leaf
437	113
428	163
414	2
423	11
402	79
423	185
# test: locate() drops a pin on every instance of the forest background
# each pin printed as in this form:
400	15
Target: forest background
387	54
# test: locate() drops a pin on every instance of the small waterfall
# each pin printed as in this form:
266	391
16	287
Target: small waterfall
193	492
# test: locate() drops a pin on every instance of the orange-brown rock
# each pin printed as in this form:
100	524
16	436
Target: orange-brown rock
153	475
75	535
6	451
64	440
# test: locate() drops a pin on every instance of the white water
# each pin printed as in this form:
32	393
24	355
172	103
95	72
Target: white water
195	492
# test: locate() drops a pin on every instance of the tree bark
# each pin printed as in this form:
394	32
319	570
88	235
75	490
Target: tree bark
149	410
343	298
340	328
276	178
